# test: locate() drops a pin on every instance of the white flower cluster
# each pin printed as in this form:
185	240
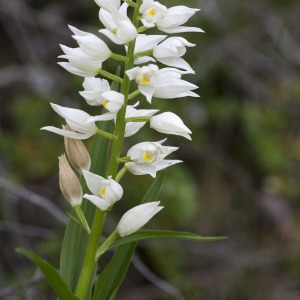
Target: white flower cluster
151	81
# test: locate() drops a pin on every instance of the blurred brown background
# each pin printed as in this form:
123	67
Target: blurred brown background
241	176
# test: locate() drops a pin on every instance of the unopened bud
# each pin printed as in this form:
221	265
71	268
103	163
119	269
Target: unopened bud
77	153
68	182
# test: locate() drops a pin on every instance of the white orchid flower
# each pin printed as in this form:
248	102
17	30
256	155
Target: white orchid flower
168	20
146	42
77	120
86	59
137	217
170	51
94	89
105	191
148	158
133	127
163	83
118	27
108	4
91	44
169	123
113	101
79	63
149	152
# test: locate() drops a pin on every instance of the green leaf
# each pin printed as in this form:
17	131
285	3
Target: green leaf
113	275
143	234
57	283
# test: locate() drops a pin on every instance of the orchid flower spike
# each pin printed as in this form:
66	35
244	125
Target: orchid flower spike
137	217
105	191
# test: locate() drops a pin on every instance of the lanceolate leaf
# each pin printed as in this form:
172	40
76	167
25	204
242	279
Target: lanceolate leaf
143	234
113	275
57	283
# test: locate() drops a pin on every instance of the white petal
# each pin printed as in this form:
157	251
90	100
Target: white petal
176	15
147	42
179	29
137	217
74	70
75	118
176	62
166	163
147	91
93	98
169	123
111	36
104	117
109	4
93	181
67	133
99	202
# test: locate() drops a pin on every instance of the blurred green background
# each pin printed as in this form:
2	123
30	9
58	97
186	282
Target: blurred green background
241	172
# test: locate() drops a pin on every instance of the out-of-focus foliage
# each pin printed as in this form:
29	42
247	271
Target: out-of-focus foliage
241	172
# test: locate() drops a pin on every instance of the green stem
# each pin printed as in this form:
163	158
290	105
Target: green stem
118	57
124	159
143	53
125	88
121	173
130	3
89	259
142	29
105	245
138	119
106	134
134	94
110	76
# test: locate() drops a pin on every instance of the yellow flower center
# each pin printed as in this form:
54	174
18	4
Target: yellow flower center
102	191
105	102
147	156
144	79
151	12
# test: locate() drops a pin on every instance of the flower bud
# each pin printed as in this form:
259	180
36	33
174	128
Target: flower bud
68	182
169	123
137	217
77	153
